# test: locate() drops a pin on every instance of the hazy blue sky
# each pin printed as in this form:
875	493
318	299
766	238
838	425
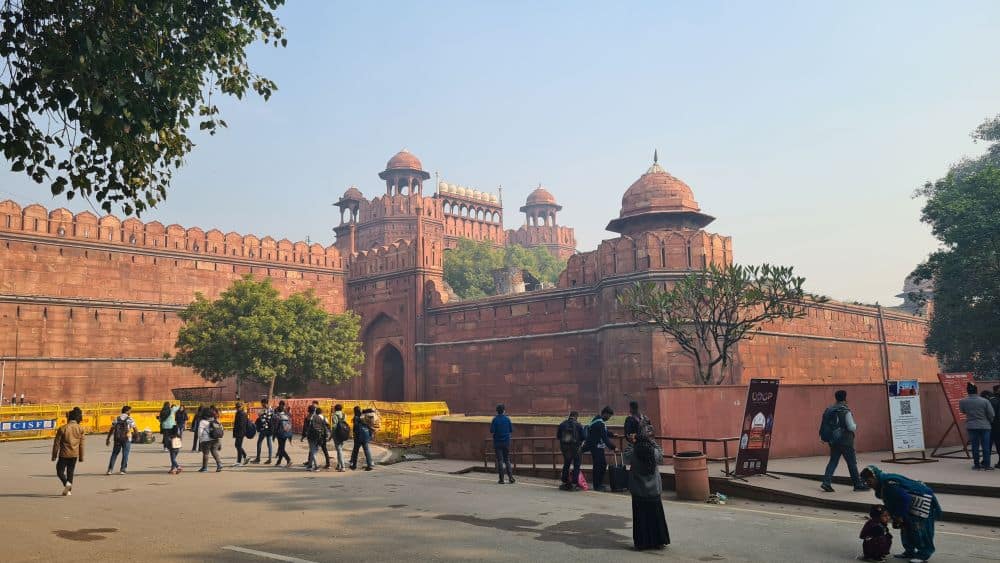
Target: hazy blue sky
804	127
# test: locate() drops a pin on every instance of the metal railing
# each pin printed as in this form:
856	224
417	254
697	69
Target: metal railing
541	447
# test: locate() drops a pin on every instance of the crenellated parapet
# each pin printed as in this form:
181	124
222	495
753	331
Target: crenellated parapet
36	220
681	250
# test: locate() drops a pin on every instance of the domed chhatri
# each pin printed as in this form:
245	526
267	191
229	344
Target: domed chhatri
658	200
352	194
540	198
404	160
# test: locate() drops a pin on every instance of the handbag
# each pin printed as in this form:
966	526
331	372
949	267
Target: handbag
176	443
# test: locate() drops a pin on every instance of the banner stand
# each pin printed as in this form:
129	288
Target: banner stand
954	453
906	454
756	430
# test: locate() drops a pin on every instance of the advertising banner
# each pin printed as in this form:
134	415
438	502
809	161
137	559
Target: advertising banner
953	385
758	422
904	416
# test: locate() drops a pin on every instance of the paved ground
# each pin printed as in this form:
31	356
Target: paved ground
415	511
945	470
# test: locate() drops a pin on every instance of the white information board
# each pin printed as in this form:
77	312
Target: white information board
904	416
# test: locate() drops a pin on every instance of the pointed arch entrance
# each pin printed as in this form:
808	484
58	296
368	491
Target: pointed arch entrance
391	370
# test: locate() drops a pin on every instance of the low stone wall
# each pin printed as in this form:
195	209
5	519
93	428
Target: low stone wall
717	412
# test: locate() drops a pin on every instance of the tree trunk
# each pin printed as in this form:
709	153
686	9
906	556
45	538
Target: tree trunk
270	390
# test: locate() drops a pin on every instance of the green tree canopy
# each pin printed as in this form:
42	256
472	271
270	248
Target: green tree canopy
251	332
710	311
97	97
963	209
468	268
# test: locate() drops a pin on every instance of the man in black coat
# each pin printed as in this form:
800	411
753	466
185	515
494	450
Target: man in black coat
570	437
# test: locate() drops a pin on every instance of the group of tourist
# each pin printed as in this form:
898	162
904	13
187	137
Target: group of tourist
909	505
649	523
208	432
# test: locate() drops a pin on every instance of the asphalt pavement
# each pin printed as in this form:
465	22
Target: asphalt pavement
416	511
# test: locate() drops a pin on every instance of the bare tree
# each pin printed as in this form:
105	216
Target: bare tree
710	311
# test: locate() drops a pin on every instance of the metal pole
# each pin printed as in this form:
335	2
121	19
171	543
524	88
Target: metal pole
3	377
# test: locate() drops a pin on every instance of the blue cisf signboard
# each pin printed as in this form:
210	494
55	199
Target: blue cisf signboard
25	425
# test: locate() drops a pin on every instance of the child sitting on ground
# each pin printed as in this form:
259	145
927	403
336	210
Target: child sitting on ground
875	536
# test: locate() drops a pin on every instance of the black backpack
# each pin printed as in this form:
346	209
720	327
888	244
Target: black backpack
122	430
317	429
831	428
215	430
568	434
342	432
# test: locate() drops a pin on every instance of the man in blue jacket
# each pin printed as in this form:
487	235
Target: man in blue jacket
501	428
570	437
599	439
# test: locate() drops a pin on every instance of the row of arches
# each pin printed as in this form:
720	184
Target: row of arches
474	213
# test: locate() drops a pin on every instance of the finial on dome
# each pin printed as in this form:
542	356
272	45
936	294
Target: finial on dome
656	157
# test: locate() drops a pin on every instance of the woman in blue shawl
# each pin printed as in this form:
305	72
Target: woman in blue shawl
912	506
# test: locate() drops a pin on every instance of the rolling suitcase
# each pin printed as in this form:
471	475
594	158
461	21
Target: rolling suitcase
617	474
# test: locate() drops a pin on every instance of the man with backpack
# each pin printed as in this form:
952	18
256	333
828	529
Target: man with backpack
318	434
210	433
263	425
341	433
241	423
570	436
598	440
837	429
282	425
121	430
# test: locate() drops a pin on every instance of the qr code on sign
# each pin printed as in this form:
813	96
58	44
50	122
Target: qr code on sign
904	407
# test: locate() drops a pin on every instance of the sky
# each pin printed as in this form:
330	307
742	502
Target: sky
803	127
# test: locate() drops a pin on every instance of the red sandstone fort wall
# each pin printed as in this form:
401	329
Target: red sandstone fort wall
88	307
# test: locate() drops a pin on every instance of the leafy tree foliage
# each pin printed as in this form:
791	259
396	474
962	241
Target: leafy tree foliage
963	209
97	96
251	332
468	268
710	311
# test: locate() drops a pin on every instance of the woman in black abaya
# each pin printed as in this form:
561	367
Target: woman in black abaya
649	524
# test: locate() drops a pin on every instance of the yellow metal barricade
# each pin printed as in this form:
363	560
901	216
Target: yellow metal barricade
405	424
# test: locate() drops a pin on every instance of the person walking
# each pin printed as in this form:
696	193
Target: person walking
162	416
995	429
210	434
979	417
837	428
263	424
174	444
570	437
195	425
307	435
121	430
168	421
319	433
241	422
649	524
282	425
362	435
341	433
180	419
598	440
914	508
67	449
501	428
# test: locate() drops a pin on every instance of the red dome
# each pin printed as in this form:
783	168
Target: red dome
657	201
540	196
656	191
404	160
353	193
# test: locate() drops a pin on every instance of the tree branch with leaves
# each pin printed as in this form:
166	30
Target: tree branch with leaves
97	98
709	312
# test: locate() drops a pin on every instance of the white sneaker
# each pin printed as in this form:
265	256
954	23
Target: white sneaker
121	473
66	489
110	472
